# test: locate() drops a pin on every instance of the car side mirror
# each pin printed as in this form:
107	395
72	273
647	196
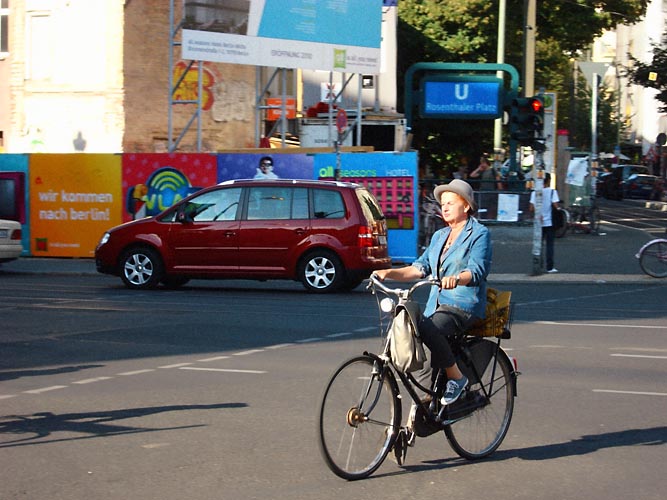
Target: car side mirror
182	214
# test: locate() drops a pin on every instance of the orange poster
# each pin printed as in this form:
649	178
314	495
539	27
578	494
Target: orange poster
74	199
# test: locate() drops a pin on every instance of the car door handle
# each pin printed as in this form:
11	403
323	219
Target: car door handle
300	230
229	234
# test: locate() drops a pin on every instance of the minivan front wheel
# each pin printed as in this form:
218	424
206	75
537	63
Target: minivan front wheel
321	271
141	268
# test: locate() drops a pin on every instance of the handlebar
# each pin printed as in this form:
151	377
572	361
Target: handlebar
404	293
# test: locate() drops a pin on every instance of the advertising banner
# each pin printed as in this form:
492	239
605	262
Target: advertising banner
391	177
153	182
74	199
341	35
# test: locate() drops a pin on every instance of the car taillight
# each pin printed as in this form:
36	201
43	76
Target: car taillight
366	238
16	234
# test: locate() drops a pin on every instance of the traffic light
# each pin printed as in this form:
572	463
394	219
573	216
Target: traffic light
537	105
527	119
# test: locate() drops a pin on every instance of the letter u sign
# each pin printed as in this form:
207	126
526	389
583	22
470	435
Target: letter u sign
461	91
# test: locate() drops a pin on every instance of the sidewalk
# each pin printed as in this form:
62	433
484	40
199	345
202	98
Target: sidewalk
608	257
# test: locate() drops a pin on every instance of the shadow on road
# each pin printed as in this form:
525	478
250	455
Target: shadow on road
92	424
584	445
12	375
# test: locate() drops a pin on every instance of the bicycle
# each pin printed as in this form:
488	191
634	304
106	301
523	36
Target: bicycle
653	258
581	218
360	413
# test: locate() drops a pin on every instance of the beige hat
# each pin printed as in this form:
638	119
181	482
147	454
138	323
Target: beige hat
462	188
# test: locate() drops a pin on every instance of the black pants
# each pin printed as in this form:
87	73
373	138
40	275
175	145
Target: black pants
436	330
549	237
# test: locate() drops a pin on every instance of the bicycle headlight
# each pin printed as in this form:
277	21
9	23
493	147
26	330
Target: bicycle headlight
387	304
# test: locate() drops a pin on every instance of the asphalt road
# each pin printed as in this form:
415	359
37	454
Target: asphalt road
212	391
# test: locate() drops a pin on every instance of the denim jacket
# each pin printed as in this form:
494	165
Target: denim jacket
471	252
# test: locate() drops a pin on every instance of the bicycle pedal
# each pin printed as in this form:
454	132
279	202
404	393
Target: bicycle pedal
411	437
400	448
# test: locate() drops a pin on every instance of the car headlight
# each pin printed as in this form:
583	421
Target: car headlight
104	239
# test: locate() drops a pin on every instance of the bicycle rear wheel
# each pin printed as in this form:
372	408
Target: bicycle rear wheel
359	418
653	259
560	231
479	434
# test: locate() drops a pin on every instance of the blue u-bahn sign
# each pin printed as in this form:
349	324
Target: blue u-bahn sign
461	96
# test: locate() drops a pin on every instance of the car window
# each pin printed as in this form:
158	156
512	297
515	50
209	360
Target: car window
277	203
328	204
369	206
221	204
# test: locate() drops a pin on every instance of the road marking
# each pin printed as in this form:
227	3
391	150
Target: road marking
280	346
187	366
199	368
637	356
91	380
45	389
602	325
137	372
634	393
341	334
216	358
250	351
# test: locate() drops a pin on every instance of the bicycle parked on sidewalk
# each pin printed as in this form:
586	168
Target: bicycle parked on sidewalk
580	217
653	258
360	413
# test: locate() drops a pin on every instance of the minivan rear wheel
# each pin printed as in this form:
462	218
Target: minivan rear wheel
141	268
321	271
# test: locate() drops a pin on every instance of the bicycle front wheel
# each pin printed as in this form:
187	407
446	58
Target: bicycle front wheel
594	219
653	259
359	418
479	434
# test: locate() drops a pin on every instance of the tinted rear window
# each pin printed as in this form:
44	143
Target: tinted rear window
369	206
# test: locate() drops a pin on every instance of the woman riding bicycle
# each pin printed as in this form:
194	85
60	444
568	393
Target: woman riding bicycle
459	255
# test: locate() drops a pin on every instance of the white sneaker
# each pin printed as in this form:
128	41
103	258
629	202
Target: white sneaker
554	270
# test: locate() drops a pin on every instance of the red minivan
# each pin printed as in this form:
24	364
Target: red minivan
329	235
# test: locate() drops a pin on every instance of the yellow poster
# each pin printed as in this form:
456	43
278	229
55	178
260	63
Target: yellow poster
74	199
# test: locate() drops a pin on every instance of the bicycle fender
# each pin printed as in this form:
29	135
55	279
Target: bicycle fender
482	352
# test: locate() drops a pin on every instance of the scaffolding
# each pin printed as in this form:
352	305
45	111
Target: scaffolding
261	90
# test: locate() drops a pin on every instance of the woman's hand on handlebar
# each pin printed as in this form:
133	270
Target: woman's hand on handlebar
450	282
381	274
407	273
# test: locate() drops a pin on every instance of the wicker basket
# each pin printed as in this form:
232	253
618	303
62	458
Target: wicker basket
498	315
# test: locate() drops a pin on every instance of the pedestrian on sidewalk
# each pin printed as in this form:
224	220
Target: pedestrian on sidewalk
550	201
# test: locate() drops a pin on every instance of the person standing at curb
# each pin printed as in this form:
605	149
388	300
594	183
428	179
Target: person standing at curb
550	202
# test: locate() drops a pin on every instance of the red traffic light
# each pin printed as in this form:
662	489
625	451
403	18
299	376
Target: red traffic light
537	105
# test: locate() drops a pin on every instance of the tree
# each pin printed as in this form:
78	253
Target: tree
466	31
653	74
609	127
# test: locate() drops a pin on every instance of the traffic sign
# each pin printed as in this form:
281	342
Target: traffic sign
461	96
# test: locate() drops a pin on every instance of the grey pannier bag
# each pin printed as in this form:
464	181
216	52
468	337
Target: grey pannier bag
407	350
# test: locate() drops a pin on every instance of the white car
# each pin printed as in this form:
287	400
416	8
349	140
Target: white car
10	240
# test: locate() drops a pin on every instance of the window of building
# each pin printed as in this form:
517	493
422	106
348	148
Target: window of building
39	50
4	26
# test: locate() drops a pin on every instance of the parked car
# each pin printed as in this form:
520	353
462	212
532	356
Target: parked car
10	240
329	235
610	183
642	186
